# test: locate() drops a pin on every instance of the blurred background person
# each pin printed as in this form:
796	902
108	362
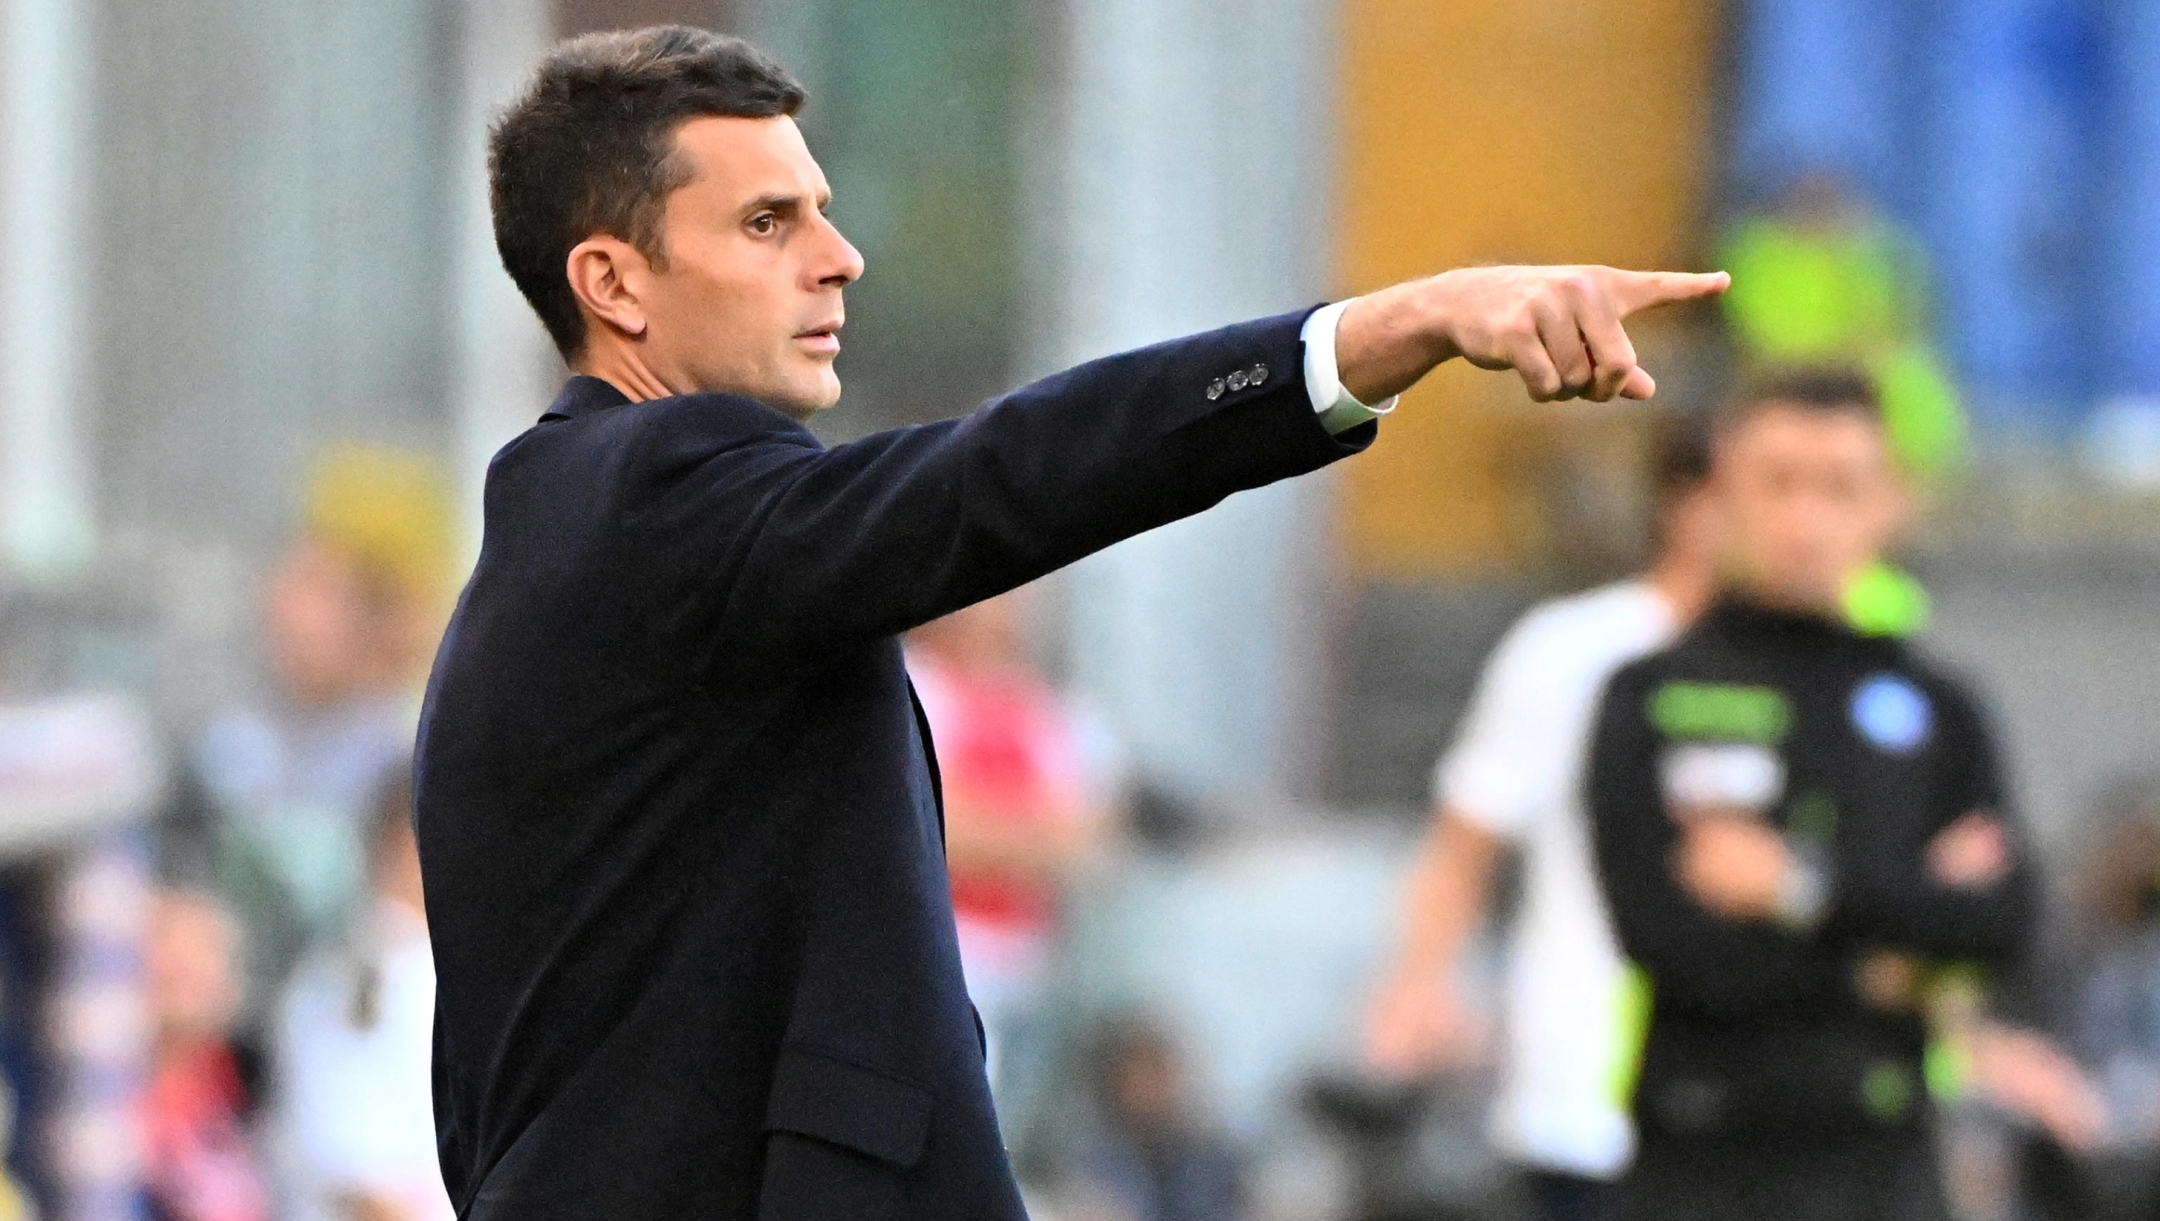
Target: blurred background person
2040	1118
2104	999
201	1160
349	621
1027	791
81	772
1514	780
1150	1152
354	1116
2114	1018
1793	819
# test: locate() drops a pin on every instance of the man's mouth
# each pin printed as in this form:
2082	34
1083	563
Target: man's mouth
823	339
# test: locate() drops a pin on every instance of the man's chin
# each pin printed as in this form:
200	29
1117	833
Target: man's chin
800	403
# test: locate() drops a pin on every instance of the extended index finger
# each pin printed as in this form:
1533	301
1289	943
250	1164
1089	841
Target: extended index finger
1640	290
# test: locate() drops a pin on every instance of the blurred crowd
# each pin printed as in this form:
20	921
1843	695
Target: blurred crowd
219	972
1687	967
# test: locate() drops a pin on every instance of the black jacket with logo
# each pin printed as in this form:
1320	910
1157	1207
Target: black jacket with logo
1861	753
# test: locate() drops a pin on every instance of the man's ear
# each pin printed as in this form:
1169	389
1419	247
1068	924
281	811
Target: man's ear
607	273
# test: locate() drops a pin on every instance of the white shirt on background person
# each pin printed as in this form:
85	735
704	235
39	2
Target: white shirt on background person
1516	771
355	1109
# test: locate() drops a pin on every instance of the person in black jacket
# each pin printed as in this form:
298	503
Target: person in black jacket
1793	821
678	810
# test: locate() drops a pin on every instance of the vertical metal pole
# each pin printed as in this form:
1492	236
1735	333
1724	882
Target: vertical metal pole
1190	191
45	511
503	365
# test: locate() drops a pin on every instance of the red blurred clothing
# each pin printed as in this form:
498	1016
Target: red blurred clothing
201	1165
1007	752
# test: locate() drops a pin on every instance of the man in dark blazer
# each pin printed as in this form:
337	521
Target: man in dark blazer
678	809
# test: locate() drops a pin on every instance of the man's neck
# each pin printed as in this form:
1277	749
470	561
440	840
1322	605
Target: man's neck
1687	586
638	382
622	369
1784	603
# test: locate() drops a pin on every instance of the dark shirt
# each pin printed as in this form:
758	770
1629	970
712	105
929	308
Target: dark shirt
678	813
1760	1027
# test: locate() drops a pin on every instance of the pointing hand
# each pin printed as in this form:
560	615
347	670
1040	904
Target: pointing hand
1559	328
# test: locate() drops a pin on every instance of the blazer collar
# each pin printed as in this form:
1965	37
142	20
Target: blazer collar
583	395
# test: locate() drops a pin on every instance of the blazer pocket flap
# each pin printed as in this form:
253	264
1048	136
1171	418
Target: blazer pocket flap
848	1104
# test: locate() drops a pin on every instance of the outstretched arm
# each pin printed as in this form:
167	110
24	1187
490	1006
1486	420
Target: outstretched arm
798	550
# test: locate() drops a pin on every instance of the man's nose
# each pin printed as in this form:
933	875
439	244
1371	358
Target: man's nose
841	264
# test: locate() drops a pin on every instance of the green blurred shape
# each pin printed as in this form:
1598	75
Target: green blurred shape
1948	1070
1921	409
1638	1000
1720	712
1810	294
1814	818
1886	1089
1885	600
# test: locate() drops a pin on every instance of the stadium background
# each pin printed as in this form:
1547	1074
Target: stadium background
234	232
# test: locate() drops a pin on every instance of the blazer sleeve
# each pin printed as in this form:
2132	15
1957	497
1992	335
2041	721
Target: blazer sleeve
1695	958
784	553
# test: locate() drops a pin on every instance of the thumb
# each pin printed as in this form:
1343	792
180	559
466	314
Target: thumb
1639	385
1640	290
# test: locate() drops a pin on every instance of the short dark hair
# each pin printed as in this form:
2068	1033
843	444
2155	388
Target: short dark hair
589	148
1681	451
1807	387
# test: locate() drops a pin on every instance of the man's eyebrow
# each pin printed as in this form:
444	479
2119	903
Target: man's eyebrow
785	202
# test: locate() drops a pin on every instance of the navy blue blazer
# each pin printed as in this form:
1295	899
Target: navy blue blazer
678	811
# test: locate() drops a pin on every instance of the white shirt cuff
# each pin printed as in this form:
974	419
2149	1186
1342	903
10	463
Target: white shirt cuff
1338	410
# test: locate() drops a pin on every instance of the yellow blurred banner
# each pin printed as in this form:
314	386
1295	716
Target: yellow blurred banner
1474	131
